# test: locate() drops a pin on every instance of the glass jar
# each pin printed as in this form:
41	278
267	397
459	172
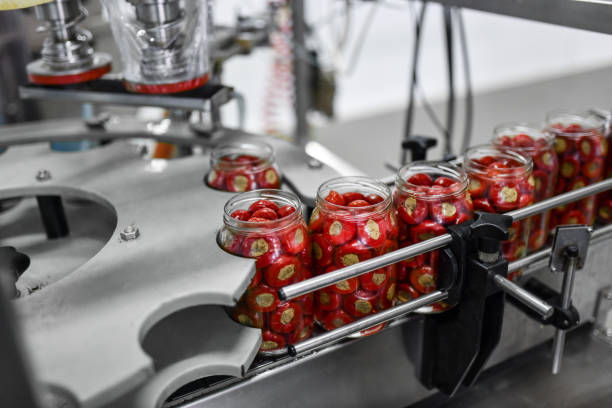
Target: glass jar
604	200
531	141
353	221
501	181
428	197
268	225
582	149
239	167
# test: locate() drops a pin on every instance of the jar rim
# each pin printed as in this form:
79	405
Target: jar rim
580	117
374	186
247	198
263	152
523	127
443	168
481	170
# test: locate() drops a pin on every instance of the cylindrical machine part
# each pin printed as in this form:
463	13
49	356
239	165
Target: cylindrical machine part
163	43
67	55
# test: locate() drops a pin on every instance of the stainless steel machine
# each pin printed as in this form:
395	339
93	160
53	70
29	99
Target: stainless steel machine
119	287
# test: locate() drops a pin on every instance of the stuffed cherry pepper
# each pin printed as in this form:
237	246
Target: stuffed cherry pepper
429	196
268	225
353	221
239	167
531	141
604	200
582	149
501	181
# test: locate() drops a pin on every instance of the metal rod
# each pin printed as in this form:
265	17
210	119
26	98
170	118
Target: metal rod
566	300
327	279
366	322
561	199
533	302
300	72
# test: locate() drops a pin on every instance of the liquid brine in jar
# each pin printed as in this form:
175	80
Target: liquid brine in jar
353	221
501	181
582	148
268	225
243	166
531	140
429	196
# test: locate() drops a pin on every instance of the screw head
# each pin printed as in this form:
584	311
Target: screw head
314	163
129	233
43	175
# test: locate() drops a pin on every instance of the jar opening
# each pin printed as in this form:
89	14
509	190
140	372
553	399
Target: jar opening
241	155
573	124
478	160
522	136
432	171
355	184
244	200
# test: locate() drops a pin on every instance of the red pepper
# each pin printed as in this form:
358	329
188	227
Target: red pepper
411	210
423	279
353	196
327	300
265	213
248	317
373	330
374	280
578	182
563	145
587	147
560	186
605	209
216	179
443	212
258	219
593	169
240	181
335	198
245	158
321	250
302	331
536	239
338	231
241	215
285	210
477	187
573	217
373	198
405	292
266	249
286	317
360	303
294	240
283	271
504	196
388	295
514	232
268	178
343	287
523	140
541	179
271	341
372	232
256	278
259	204
527	186
482	204
415	261
392	225
505	140
230	242
262	299
570	166
426	230
351	253
463	217
525	200
420	179
335	319
444	181
307	302
388	246
358	203
545	160
316	220
485	160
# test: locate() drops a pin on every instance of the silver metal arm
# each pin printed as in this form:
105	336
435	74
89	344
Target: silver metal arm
533	302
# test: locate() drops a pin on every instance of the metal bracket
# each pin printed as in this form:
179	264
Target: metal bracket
565	237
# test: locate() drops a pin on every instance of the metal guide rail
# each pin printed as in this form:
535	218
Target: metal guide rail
543	309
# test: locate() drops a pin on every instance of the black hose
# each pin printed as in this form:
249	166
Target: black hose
469	97
450	103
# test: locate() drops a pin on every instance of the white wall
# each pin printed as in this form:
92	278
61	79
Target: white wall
504	52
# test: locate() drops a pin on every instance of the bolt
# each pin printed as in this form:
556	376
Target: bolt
129	233
43	175
314	163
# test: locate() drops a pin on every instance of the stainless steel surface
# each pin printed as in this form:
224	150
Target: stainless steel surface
43	175
366	322
322	281
603	315
566	301
536	304
561	199
593	15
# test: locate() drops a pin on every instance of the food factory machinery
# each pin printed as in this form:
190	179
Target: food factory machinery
120	289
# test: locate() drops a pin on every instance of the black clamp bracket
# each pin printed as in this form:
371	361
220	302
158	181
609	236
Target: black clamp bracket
418	146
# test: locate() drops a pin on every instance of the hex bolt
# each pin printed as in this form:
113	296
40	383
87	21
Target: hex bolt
43	175
129	233
314	163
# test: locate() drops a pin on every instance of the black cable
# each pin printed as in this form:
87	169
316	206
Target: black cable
469	97
413	79
450	103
